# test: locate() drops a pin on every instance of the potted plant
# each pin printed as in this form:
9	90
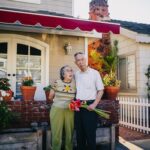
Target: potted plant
47	91
27	88
5	91
112	86
111	83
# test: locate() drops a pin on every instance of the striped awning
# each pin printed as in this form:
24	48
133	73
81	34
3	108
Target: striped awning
55	22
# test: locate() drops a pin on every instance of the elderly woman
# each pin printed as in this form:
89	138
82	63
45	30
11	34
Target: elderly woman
61	118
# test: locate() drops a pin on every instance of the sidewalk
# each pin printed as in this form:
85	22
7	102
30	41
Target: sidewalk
130	137
144	144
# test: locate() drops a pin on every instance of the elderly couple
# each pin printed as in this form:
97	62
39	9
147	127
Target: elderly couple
87	87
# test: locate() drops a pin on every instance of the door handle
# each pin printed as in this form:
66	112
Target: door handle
8	74
13	74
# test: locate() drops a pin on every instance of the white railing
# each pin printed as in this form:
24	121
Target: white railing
135	113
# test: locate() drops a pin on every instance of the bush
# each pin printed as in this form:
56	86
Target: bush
6	115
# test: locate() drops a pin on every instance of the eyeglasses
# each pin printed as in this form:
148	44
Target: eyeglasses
68	70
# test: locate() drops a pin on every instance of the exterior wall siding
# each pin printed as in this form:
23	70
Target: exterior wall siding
129	46
143	63
57	55
59	6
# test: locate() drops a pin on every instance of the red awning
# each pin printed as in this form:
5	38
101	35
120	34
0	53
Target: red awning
50	21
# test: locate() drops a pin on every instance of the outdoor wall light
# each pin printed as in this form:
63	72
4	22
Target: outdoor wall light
67	48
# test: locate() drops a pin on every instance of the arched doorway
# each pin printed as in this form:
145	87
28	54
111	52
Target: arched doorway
21	56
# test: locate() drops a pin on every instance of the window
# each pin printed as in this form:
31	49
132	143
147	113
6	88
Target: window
30	1
127	73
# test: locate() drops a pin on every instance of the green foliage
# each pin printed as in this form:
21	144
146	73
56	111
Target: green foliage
47	88
4	84
6	115
148	82
110	67
111	80
111	60
27	81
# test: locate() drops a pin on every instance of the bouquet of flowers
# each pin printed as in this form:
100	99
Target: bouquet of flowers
75	105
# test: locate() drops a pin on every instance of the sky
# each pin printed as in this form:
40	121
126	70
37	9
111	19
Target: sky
126	10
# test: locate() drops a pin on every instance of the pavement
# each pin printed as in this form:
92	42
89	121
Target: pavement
143	144
134	140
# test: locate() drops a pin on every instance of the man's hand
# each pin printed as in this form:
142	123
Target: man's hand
91	107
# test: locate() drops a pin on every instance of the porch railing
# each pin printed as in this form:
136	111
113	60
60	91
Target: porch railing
135	113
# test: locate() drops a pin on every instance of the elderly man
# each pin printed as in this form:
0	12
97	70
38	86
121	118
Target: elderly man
89	88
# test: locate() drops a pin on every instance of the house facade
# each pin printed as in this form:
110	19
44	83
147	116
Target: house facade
134	57
133	50
33	37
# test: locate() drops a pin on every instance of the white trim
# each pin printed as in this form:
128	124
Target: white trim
86	49
29	1
12	40
22	37
11	27
128	33
143	38
129	145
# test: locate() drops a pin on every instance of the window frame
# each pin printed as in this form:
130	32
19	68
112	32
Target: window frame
127	89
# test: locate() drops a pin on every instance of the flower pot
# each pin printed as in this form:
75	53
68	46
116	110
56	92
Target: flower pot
111	92
28	92
7	96
47	95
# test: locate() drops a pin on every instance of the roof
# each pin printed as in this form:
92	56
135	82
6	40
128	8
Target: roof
41	20
134	26
38	12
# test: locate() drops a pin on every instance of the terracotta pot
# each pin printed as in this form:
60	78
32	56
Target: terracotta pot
9	97
111	92
47	95
28	92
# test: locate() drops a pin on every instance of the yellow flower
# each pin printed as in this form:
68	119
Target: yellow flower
67	88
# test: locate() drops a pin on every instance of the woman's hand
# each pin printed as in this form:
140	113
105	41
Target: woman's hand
51	94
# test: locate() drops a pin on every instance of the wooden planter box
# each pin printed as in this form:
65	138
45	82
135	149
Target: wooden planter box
18	139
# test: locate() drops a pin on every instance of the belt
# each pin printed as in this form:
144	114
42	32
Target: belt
87	101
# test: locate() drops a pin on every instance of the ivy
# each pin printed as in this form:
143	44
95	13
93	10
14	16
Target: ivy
148	81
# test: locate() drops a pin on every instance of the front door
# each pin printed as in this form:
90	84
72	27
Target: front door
20	58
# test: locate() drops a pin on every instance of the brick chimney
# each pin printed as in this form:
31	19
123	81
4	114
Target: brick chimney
99	10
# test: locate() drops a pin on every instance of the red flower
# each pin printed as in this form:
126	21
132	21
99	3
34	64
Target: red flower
75	105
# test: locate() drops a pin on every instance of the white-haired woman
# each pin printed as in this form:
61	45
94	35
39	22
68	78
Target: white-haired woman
61	118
